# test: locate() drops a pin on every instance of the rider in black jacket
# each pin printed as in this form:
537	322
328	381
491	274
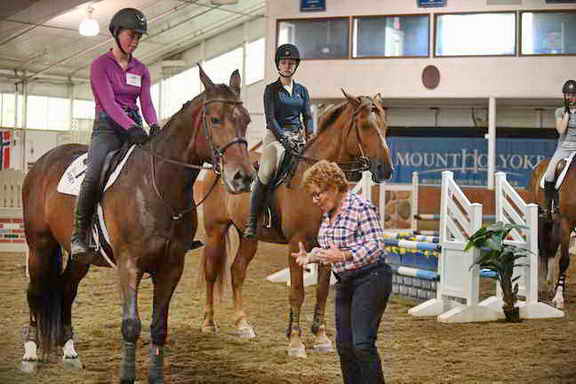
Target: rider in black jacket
285	101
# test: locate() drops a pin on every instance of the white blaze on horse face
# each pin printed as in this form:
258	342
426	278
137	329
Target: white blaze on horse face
30	351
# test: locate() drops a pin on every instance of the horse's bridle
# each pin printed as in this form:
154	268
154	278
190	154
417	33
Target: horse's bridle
363	163
216	153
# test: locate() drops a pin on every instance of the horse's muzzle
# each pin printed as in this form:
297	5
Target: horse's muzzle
381	171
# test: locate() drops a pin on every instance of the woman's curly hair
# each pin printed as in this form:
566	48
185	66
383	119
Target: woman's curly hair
324	175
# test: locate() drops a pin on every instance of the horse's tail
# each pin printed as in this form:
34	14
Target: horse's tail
45	298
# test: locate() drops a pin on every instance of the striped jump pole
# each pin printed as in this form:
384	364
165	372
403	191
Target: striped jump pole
412	245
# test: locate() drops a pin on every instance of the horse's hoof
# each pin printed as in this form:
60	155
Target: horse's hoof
297	352
155	380
29	366
211	329
128	381
326	347
246	333
72	363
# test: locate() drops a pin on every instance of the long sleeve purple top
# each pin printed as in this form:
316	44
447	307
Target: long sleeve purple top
115	89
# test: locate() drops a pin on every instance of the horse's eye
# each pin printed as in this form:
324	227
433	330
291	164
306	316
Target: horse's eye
216	120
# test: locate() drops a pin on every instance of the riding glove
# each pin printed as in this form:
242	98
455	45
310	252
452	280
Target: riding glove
137	135
154	130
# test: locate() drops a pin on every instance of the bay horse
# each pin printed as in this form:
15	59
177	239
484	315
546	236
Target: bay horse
353	135
556	232
150	219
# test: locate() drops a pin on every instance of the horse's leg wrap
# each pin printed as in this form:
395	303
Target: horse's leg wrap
156	371
128	365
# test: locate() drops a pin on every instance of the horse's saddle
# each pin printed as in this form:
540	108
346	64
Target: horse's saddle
560	172
271	218
73	176
70	183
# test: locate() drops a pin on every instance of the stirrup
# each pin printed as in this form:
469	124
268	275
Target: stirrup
251	228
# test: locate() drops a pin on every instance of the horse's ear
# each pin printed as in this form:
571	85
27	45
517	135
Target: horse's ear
354	100
204	78
235	81
378	98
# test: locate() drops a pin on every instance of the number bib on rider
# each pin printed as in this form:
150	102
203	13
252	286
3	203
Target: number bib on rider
134	80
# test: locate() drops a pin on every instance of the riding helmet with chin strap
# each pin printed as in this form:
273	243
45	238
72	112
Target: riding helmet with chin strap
127	18
569	88
287	51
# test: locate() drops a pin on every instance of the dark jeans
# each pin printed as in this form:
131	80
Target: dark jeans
106	136
361	299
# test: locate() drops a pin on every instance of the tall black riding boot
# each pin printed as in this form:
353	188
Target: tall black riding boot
85	207
256	204
549	197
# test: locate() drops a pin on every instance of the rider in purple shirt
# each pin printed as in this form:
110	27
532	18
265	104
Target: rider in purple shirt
117	80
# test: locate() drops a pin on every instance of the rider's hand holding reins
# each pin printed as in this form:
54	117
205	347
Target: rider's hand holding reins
137	135
154	130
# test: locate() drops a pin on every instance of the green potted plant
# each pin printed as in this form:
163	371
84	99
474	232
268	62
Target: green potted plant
500	258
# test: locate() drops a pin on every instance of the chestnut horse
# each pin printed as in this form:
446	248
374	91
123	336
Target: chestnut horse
555	232
149	216
353	135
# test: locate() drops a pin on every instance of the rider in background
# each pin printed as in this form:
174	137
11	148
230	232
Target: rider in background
566	127
117	80
284	102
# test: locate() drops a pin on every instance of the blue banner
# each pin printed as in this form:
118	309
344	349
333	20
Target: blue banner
467	158
312	5
431	3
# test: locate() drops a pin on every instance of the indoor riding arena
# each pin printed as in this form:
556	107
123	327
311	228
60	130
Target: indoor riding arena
464	99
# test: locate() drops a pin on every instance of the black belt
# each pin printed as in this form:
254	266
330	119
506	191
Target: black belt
362	271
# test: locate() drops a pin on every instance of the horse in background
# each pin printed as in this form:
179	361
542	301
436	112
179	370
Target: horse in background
150	220
556	232
351	134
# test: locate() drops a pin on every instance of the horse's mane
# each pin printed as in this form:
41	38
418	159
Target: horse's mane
327	119
220	88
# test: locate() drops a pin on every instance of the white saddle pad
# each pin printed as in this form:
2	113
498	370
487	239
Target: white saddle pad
562	175
70	185
72	178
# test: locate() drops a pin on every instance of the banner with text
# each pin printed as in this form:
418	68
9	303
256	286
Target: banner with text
467	158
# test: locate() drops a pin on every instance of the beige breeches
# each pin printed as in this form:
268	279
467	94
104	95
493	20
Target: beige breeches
272	154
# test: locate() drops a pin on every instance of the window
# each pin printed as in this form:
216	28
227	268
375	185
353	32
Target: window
7	110
45	112
83	109
221	67
255	61
316	38
478	34
548	33
178	89
391	36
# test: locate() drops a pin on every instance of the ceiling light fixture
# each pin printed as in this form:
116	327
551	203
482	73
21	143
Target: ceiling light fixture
89	26
223	2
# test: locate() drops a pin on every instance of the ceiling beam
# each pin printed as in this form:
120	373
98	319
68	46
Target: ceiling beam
96	46
46	10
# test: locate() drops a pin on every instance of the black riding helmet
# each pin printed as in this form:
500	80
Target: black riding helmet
127	18
569	88
287	51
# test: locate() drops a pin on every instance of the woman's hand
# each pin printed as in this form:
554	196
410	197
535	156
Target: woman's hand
331	255
302	257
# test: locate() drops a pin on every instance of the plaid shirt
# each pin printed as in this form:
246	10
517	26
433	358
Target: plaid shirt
356	229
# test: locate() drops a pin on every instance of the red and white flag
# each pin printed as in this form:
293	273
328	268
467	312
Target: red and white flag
5	144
